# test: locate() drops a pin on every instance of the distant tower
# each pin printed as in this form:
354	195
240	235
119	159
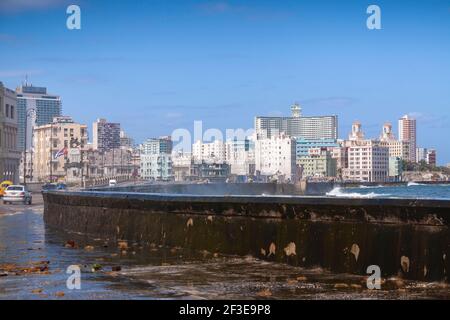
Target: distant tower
407	132
387	134
357	133
296	110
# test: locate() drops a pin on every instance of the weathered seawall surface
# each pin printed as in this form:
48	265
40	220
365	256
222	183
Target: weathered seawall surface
404	237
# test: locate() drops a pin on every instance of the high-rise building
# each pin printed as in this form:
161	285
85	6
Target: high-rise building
105	135
59	151
9	153
35	107
306	127
407	132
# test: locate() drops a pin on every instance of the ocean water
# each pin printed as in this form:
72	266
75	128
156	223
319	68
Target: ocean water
410	191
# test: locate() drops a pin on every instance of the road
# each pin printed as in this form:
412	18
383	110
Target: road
37	206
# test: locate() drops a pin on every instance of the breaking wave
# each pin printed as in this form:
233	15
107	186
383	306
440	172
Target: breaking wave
411	184
370	187
337	192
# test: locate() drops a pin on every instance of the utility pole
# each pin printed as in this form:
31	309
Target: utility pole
121	162
27	115
112	168
51	152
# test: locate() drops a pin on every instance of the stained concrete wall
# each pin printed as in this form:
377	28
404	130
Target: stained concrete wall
406	237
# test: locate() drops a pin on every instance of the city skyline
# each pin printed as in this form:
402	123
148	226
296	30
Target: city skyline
184	61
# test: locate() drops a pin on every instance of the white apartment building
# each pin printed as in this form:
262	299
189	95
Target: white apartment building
181	164
240	155
156	159
210	152
276	157
156	167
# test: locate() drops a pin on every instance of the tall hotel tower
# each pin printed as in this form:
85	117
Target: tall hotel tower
407	132
35	107
299	126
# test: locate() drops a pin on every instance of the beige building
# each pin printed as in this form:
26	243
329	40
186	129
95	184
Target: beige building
318	163
60	151
397	148
9	153
367	160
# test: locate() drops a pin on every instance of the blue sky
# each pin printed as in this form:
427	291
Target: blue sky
155	66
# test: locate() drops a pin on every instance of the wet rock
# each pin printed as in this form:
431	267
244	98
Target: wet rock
404	262
290	249
116	268
36	291
60	294
123	245
264	293
355	251
89	248
3	274
356	286
272	249
341	286
70	244
394	284
301	278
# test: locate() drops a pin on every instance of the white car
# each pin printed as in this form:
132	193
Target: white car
16	193
112	182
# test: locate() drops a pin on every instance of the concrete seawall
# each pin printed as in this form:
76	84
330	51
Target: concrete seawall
404	237
302	188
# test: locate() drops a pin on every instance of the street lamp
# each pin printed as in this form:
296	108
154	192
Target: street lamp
29	113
